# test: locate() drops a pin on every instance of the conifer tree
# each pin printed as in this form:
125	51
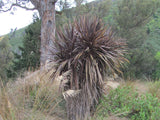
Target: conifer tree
131	19
6	57
30	52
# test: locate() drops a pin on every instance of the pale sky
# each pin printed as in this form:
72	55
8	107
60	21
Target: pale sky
20	19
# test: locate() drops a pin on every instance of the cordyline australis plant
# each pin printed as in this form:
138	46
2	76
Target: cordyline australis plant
83	53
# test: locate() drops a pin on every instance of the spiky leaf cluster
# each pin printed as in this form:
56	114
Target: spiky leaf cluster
88	50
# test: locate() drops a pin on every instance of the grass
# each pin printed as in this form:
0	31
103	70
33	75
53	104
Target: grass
31	98
154	88
1	37
35	98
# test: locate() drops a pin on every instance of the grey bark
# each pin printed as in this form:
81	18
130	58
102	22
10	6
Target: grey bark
47	14
46	10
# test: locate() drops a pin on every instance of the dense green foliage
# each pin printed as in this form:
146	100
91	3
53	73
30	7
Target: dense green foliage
153	30
6	57
29	56
142	63
125	102
131	19
16	39
157	71
135	20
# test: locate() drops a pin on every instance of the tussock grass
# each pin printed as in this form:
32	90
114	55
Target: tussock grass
1	37
33	97
154	88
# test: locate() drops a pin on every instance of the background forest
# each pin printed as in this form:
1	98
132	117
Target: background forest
137	22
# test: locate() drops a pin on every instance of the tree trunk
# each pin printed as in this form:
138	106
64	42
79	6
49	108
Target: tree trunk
47	14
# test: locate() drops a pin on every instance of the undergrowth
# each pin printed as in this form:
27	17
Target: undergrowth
31	98
127	103
154	88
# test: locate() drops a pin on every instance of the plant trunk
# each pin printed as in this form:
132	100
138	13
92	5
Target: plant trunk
47	14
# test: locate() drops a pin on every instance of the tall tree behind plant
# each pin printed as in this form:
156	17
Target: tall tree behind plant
98	8
131	17
84	52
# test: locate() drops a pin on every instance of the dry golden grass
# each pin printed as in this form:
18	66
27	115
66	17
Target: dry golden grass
154	88
6	109
1	37
33	97
138	85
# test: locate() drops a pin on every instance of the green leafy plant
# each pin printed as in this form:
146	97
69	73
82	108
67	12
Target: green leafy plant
125	102
29	56
6	57
87	50
157	72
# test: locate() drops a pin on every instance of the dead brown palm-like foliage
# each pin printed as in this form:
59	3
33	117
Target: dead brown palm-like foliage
84	51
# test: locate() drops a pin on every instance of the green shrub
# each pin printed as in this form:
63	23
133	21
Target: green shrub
124	102
29	56
157	71
145	107
6	57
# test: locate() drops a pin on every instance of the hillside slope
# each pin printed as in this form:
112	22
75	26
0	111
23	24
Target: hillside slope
15	38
